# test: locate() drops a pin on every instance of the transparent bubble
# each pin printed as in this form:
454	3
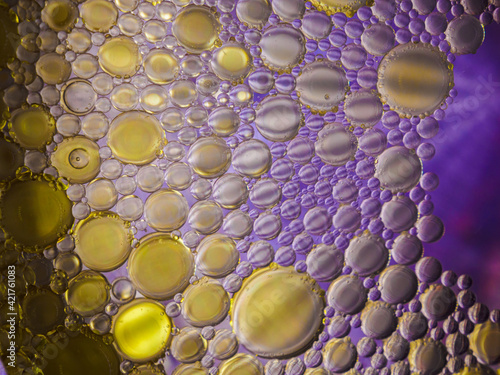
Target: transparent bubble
261	80
267	226
224	121
102	83
347	294
430	228
149	178
283	47
398	284
232	61
378	320
317	221
119	57
125	185
123	290
216	256
288	10
188	346
205	217
166	210
335	145
367	255
378	39
266	193
353	57
178	176
130	208
172	119
161	66
78	97
101	194
85	66
182	93
324	263
363	108
252	158
111	169
130	24
95	125
237	224
224	345
196	116
253	13
398	169
399	214
209	157
100	324
373	142
339	355
78	40
413	325
207	84
202	189
154	99
68	125
279	118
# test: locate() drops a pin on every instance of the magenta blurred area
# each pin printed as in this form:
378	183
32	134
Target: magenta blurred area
468	164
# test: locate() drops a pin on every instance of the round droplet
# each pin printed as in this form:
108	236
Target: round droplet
88	293
209	156
414	79
59	15
252	158
119	57
241	364
322	85
161	66
161	266
283	47
398	284
398	169
98	15
253	13
266	193
339	355
367	255
289	10
438	302
123	290
78	97
427	355
347	295
205	217
363	108
378	320
231	62
484	342
325	263
279	118
216	256
29	136
253	309
141	330
101	194
378	39
103	241
399	214
166	210
223	121
188	346
335	145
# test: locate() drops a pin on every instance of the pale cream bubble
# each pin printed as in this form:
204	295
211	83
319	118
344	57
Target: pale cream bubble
166	210
209	157
205	217
252	158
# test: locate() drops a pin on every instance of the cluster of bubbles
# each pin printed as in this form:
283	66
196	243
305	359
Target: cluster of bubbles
233	187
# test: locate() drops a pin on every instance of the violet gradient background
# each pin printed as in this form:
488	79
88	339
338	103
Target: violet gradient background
467	162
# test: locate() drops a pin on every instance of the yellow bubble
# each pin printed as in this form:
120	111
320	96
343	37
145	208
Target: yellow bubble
231	62
98	15
161	66
69	263
130	24
119	57
53	69
183	93
217	256
11	158
161	266
147	369
103	241
126	5
60	15
415	79
142	330
125	143
77	159
154	99
35	213
476	370
88	293
241	364
196	28
73	357
485	342
188	346
205	303
349	7
166	210
79	40
277	298
190	369
32	128
124	97
210	157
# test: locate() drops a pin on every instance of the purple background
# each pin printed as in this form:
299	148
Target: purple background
467	162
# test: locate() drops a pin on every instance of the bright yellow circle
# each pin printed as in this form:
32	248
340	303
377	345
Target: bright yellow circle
119	57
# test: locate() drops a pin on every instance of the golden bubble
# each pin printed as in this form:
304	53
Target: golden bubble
73	357
53	69
35	213
190	369
95	125
205	303
69	263
154	99
196	28
119	57
126	5
147	370
485	342
130	24
188	346
101	194
217	256
161	266
349	7
98	15
125	143
414	79
241	364
103	241
231	61
60	15
141	330
77	159
88	293
276	298
124	97
166	210
161	66
182	93
32	128
210	157
79	40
